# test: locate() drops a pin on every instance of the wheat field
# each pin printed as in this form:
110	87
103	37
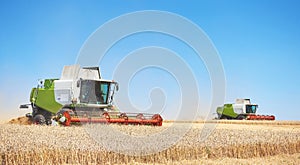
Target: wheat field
238	142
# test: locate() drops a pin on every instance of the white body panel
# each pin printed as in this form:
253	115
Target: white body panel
239	108
74	72
242	101
67	88
63	91
70	72
88	74
240	105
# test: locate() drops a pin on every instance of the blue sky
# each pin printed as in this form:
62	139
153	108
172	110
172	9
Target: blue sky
258	42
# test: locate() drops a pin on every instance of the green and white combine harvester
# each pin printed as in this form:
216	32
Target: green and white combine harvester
81	96
242	109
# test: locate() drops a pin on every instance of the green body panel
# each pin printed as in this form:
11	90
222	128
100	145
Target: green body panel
227	110
32	94
44	97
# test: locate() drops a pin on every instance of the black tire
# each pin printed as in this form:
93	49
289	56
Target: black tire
46	119
241	117
223	117
39	119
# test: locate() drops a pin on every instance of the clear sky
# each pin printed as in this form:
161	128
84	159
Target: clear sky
258	42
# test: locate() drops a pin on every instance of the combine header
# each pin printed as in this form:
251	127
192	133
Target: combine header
241	110
81	96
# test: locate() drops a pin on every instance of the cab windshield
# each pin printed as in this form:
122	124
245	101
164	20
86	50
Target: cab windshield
94	92
251	108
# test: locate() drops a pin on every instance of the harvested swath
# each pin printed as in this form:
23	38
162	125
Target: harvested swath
21	120
33	144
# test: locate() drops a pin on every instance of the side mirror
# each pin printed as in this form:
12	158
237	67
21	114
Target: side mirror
117	86
78	82
23	106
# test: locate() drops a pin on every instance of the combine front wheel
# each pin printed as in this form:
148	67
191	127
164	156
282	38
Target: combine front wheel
39	119
223	117
241	117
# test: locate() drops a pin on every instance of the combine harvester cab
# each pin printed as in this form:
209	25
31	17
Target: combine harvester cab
81	96
242	109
